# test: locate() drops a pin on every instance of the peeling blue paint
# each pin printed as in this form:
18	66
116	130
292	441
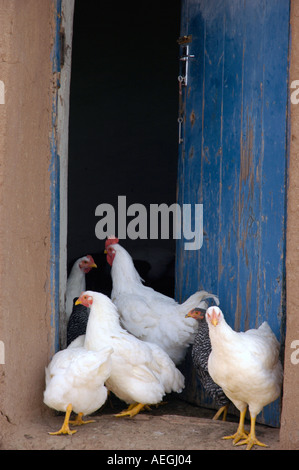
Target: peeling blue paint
237	96
54	169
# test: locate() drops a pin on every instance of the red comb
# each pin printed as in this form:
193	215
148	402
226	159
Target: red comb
112	240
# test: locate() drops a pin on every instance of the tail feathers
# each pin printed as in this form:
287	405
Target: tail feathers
174	382
179	383
198	300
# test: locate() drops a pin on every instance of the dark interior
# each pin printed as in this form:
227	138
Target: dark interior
123	138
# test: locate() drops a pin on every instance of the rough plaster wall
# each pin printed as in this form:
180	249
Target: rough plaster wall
25	129
289	435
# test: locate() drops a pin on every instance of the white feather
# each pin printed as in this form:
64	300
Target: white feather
141	372
76	376
150	315
76	284
245	364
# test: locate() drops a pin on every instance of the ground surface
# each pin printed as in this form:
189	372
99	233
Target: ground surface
175	425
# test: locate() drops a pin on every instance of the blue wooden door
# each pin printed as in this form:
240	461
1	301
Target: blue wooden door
233	160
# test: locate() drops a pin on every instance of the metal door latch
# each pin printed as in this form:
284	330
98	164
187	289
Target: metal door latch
180	121
184	42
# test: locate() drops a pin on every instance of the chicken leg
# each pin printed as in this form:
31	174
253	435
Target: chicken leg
79	421
240	433
221	410
65	427
132	410
251	439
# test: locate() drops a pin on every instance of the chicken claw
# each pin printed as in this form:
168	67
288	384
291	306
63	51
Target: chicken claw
65	427
240	433
79	421
132	410
251	439
237	437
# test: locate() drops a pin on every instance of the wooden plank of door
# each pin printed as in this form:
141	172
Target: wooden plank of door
233	159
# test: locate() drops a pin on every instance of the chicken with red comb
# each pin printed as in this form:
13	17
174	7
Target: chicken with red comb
148	314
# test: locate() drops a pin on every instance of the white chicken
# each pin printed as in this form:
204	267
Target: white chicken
148	314
247	367
75	381
76	282
142	373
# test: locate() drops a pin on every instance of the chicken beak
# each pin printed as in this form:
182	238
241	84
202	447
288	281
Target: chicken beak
214	318
78	302
93	265
105	252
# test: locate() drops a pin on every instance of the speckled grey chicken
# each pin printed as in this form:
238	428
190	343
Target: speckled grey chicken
77	322
201	350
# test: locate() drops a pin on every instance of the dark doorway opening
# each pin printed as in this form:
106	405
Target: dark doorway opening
123	137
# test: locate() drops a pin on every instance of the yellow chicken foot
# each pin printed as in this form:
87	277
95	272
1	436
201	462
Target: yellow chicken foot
132	410
65	427
221	410
130	407
156	405
251	439
241	433
79	421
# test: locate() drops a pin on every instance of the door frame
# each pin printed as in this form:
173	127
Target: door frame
61	68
